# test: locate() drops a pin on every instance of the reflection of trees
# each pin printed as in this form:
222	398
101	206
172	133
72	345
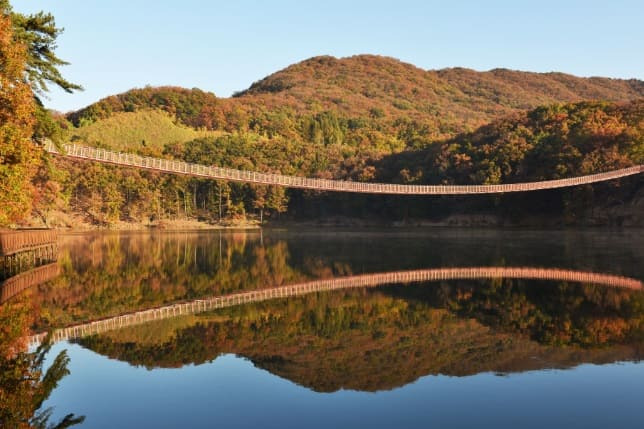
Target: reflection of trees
112	274
371	340
24	383
560	314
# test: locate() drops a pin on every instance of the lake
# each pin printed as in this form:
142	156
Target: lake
447	328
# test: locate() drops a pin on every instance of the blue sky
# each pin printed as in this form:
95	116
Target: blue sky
224	46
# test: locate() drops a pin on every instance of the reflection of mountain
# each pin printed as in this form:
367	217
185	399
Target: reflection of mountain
365	339
387	338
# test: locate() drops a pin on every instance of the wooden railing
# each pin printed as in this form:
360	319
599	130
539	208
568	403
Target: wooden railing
220	173
361	281
22	240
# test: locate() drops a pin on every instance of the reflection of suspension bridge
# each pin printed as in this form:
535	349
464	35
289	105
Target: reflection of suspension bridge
366	280
180	167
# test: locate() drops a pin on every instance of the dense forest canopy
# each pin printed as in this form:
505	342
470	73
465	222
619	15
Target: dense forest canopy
18	157
549	142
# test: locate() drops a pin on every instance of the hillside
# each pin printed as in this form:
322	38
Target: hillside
561	140
367	118
549	142
357	85
368	90
132	130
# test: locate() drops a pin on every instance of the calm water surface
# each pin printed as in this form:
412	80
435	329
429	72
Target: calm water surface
492	352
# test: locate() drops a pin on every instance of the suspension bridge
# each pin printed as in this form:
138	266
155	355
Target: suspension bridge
359	281
220	173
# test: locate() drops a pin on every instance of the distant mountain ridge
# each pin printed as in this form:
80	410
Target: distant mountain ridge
387	79
374	87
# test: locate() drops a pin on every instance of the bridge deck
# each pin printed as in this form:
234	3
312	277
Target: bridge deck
219	173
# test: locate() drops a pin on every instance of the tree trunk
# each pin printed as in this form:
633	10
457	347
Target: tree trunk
220	204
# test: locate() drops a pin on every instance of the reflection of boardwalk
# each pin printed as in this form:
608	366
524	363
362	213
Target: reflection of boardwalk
367	280
22	281
180	167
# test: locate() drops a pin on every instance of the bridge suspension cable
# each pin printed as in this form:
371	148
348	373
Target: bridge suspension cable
221	173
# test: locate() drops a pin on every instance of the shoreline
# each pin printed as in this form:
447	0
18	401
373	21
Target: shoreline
630	217
76	225
394	226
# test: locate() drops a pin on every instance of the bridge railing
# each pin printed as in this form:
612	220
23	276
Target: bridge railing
221	173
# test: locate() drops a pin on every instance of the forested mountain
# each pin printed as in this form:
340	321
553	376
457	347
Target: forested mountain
549	142
368	83
365	118
369	88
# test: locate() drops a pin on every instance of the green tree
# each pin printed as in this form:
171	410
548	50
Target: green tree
38	32
277	199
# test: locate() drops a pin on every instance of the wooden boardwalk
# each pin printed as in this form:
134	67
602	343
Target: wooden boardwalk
220	173
361	281
24	249
21	240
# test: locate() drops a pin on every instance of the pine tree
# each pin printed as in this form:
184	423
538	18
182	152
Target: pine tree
38	33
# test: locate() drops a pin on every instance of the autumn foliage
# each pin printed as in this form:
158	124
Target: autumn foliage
18	156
